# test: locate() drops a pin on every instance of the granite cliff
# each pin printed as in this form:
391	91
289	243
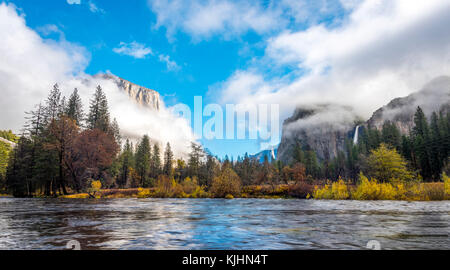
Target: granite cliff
325	128
434	97
316	129
141	95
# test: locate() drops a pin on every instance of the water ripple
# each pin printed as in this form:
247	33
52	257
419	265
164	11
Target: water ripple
222	224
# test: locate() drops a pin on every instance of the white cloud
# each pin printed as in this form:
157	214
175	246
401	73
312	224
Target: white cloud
30	65
133	49
382	50
202	19
91	5
74	2
171	65
94	8
140	51
49	29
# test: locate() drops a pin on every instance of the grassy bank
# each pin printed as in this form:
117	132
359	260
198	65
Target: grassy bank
341	190
266	192
373	190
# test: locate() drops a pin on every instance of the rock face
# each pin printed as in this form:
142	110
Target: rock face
141	95
434	97
326	133
314	129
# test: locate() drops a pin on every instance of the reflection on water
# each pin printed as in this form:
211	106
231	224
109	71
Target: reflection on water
222	224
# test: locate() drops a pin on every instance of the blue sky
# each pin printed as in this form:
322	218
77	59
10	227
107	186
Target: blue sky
288	52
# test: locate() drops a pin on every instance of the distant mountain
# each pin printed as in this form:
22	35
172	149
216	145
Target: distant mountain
317	129
434	97
324	128
270	153
141	95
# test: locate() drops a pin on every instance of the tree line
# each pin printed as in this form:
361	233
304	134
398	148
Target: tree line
426	149
63	150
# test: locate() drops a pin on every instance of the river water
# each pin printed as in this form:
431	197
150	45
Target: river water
222	224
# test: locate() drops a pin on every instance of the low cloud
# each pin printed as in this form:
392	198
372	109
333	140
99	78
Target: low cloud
162	126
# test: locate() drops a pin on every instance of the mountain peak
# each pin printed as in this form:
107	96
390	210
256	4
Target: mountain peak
141	95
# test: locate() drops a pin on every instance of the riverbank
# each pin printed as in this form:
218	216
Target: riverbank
371	190
254	192
365	191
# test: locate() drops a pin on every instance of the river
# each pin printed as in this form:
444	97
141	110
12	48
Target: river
222	224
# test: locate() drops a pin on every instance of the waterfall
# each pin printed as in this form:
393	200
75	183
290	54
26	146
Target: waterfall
273	154
355	138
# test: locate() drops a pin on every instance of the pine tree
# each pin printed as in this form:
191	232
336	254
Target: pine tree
98	117
126	164
74	109
299	154
18	179
421	140
194	162
156	161
444	127
311	163
168	160
53	105
115	131
143	160
437	158
211	169
391	134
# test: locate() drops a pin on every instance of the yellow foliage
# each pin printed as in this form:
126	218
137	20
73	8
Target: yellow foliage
228	182
199	192
144	193
387	164
96	185
335	191
446	185
372	190
229	197
76	196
